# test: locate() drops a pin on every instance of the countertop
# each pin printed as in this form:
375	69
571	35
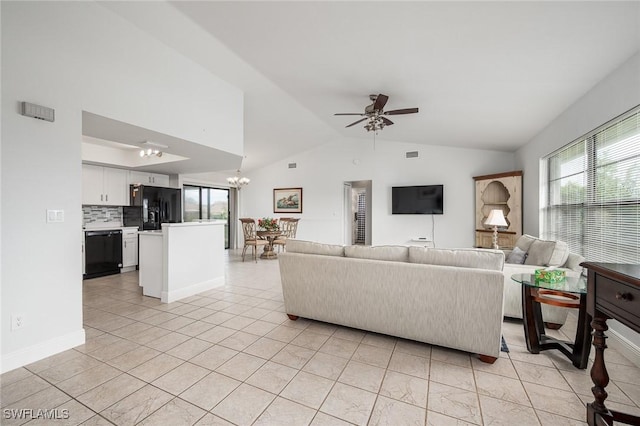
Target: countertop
106	226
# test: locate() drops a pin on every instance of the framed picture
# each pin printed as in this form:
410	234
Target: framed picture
287	200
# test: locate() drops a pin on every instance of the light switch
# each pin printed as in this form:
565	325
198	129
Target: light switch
54	216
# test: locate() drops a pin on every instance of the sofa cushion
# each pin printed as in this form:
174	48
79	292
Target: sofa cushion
524	242
391	253
540	252
310	247
573	262
465	258
559	255
516	256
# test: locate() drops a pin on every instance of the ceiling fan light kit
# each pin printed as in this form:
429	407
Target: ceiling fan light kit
374	114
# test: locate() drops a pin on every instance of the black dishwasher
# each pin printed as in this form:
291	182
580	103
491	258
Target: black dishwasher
103	253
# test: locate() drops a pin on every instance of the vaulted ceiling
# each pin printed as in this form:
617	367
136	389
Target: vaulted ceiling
487	75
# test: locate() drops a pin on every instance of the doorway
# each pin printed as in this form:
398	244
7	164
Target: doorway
357	212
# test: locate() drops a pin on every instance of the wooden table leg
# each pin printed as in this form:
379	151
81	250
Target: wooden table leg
599	374
532	320
582	342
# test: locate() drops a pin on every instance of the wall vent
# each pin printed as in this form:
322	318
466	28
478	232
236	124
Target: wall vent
411	154
293	165
37	111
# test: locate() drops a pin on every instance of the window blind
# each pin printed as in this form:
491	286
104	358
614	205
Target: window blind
592	192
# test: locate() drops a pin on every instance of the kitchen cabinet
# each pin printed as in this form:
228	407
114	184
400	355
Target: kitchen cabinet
104	186
144	178
129	248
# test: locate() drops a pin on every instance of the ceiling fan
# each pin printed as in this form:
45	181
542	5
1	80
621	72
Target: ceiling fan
375	114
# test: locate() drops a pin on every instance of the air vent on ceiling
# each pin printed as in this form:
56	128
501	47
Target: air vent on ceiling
37	111
411	154
293	165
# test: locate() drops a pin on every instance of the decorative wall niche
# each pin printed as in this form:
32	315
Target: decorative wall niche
499	191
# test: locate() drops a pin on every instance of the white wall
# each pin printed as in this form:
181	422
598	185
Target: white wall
322	171
614	95
75	56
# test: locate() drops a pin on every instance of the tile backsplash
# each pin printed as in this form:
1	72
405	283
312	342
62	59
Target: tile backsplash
97	214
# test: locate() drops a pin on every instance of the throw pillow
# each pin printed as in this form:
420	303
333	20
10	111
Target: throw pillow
540	252
516	256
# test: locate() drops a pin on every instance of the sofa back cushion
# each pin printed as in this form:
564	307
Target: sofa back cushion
542	252
573	262
560	254
524	242
310	247
464	258
389	253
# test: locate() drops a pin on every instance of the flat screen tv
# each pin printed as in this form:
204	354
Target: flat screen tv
425	199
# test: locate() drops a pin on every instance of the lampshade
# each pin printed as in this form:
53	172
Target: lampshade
496	218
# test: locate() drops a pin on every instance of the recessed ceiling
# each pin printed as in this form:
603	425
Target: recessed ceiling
486	75
120	144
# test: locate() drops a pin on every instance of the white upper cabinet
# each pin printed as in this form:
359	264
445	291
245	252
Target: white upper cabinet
144	178
104	186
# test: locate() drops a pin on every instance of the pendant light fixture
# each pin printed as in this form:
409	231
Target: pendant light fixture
237	181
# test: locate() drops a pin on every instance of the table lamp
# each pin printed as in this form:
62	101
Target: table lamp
495	219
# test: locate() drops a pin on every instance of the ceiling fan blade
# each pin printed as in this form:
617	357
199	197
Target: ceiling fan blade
354	123
402	111
386	121
380	102
349	113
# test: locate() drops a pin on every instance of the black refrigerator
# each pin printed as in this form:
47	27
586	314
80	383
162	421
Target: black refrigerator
151	206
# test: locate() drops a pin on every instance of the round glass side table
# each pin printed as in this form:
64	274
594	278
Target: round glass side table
571	292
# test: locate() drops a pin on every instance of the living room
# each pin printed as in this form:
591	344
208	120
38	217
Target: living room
79	63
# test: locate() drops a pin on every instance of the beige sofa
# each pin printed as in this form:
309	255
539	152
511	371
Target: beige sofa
540	254
450	298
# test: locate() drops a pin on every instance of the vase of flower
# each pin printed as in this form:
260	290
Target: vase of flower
268	224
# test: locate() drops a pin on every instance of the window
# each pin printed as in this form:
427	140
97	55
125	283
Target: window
207	203
592	198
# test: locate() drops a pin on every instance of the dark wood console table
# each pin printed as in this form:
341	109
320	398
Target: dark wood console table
613	292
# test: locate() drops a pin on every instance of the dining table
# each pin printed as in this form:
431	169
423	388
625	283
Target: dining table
270	236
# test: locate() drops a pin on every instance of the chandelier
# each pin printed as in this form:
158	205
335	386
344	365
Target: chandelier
237	181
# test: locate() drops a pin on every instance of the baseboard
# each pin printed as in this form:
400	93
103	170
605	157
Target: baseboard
172	296
41	350
624	346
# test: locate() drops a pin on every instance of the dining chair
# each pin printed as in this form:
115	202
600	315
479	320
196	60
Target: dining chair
250	237
289	228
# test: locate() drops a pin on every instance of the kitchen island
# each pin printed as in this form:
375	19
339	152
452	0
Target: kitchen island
182	259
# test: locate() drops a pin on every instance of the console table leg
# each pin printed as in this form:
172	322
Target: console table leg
599	374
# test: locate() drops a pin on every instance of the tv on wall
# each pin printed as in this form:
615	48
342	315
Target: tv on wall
425	199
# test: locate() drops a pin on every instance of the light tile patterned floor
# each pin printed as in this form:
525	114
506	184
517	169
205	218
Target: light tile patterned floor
231	356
